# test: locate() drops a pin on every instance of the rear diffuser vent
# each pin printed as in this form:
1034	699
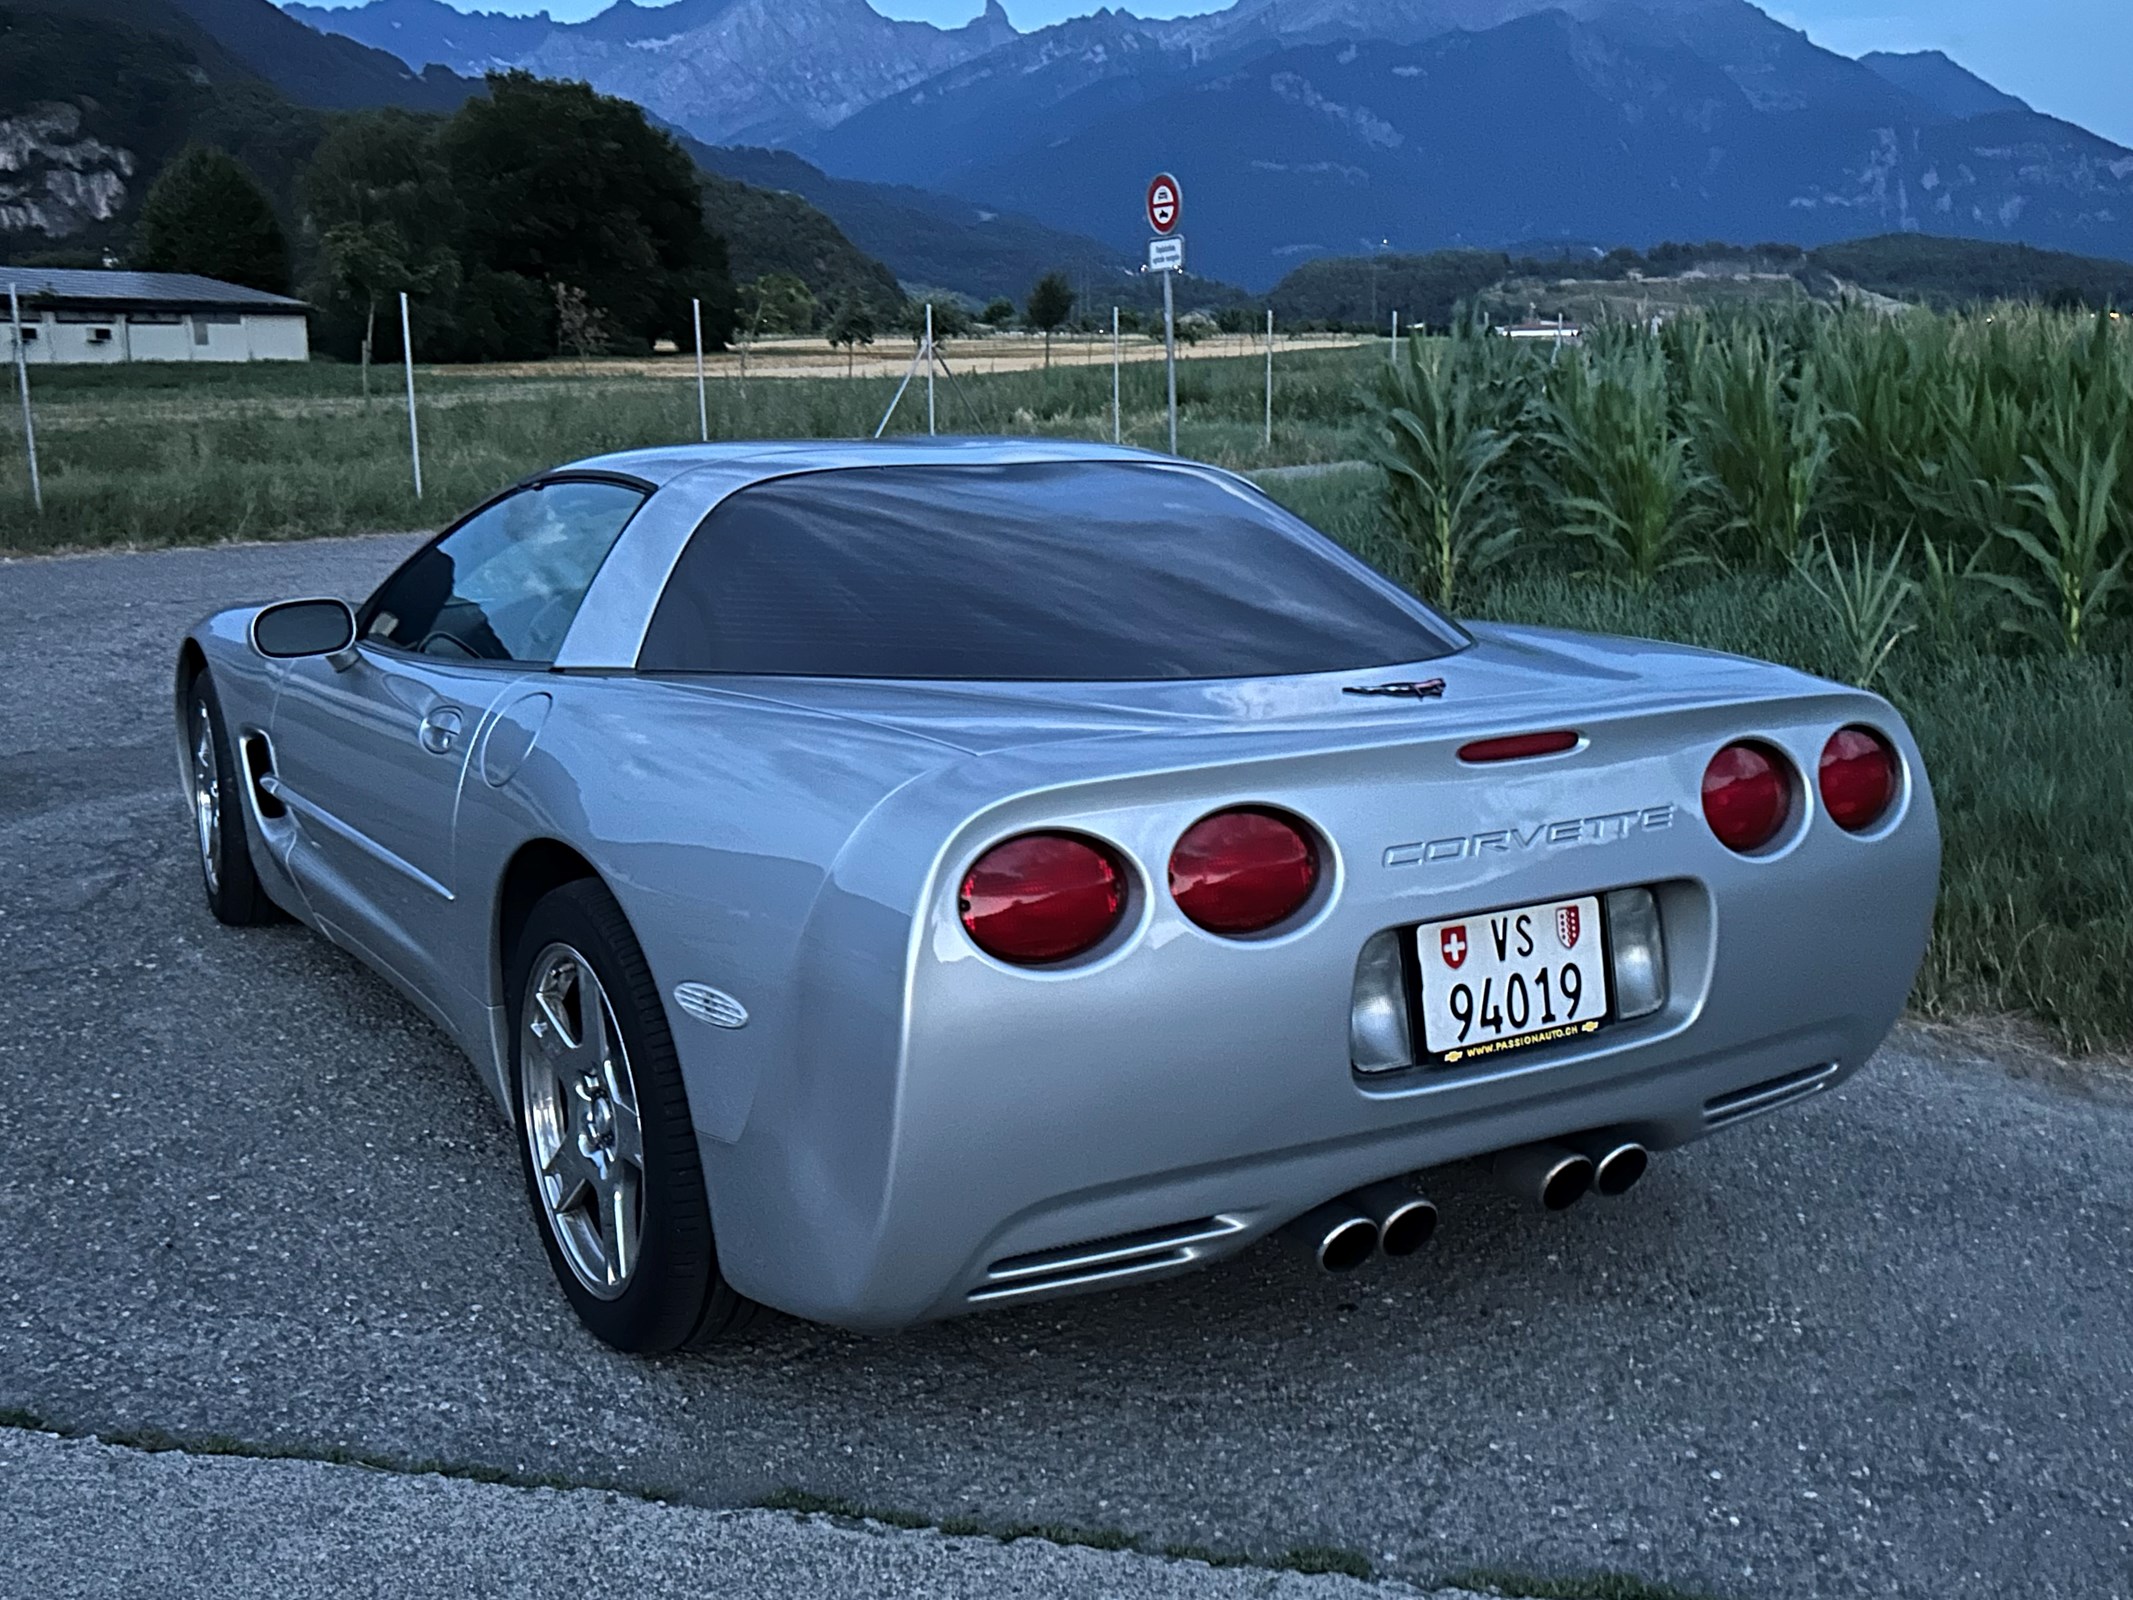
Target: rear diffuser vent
1768	1095
1095	1261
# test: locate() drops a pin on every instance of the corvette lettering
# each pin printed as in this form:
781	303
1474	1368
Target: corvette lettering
1609	828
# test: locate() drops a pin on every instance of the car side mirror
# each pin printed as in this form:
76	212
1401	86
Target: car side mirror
296	628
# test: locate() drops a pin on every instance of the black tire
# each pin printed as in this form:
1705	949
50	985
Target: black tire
674	1296
222	848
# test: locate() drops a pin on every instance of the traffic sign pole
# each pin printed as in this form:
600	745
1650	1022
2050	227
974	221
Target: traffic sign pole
1170	356
1270	377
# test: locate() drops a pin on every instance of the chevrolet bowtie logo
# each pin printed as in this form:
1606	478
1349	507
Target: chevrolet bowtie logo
1428	689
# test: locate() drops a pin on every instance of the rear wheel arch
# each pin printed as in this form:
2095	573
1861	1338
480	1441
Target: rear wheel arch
535	868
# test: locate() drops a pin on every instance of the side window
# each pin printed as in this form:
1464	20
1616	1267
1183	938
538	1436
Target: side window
505	584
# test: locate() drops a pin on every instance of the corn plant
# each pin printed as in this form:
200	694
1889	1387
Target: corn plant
1762	440
1867	599
1442	469
1947	580
1619	474
2071	576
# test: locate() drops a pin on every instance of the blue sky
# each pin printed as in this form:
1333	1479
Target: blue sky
2072	58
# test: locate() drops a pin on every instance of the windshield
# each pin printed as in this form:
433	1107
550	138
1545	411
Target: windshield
1068	571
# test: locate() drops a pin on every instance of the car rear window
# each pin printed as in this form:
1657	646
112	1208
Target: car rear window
1073	571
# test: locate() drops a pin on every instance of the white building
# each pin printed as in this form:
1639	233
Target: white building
80	316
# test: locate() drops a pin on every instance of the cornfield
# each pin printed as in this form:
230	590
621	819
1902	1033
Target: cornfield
1996	451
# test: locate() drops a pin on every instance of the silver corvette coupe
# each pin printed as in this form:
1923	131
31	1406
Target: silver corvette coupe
882	881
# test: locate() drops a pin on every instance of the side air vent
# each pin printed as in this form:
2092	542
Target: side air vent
1103	1260
259	768
1767	1095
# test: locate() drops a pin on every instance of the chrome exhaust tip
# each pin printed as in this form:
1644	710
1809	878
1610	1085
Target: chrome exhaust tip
1552	1176
1617	1163
1339	1237
1406	1218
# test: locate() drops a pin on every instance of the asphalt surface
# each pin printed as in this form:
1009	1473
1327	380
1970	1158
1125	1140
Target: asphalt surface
1881	1344
90	1521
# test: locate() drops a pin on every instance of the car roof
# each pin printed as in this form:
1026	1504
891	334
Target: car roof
662	464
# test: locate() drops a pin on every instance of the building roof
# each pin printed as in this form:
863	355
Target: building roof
91	287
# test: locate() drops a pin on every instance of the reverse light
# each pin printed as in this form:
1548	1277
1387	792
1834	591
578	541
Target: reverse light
1858	778
1747	795
1243	871
1639	953
1042	897
1380	1036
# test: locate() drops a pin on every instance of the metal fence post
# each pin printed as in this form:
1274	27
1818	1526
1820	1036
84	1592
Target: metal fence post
703	409
1117	419
929	368
1392	350
1270	377
407	360
22	377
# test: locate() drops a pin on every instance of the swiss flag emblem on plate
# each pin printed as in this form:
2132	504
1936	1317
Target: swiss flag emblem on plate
1567	926
1452	941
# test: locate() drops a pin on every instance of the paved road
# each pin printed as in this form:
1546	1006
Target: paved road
90	1521
1883	1345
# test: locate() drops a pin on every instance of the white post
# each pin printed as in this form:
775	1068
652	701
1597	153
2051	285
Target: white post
1170	356
929	367
1392	350
1270	377
703	407
1117	419
22	377
407	359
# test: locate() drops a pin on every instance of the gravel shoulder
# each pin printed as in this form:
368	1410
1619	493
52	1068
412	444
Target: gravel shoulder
1880	1345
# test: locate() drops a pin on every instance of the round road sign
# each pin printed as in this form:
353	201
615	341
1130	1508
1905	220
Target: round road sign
1166	203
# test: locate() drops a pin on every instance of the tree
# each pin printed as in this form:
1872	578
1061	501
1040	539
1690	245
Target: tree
1051	302
563	185
998	312
378	199
777	302
205	213
853	325
579	327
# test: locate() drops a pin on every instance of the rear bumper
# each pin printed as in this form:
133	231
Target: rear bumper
954	1134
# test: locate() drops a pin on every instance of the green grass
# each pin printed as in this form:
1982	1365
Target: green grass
156	456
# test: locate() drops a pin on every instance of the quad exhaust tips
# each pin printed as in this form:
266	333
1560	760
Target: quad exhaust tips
1338	1235
1551	1176
1617	1163
1406	1219
1343	1234
1556	1177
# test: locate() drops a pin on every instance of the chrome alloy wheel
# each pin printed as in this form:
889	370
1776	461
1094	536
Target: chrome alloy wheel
579	1106
207	797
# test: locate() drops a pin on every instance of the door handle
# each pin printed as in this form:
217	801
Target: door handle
440	729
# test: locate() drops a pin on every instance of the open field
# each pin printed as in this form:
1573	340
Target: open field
180	455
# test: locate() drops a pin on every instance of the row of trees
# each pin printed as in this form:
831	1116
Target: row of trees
542	216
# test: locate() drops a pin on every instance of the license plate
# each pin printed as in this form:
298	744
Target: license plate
1509	980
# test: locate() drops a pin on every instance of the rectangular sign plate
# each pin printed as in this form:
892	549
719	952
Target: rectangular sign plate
1166	255
1507	980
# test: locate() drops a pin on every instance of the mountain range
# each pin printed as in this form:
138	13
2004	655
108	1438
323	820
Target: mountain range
1308	128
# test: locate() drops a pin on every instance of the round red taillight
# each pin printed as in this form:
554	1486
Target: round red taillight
1858	778
1042	897
1746	796
1243	871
